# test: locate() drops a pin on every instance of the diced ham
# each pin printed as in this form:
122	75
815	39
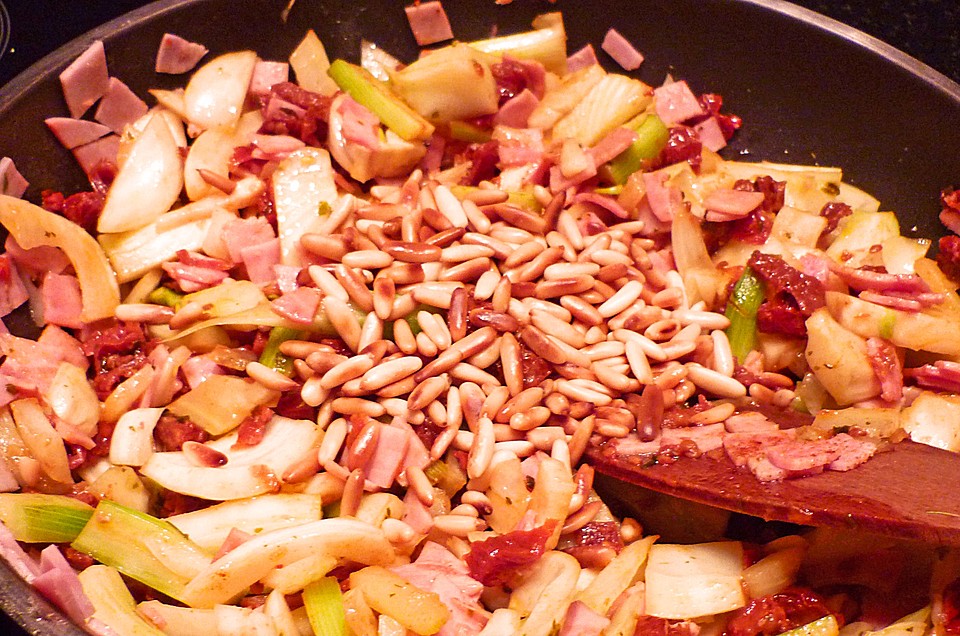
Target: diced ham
558	182
429	22
518	146
433	158
664	199
285	275
266	74
191	278
887	367
675	102
711	134
62	303
881	282
236	537
16	557
176	55
606	202
12	183
119	107
75	132
262	261
580	620
278	147
199	368
360	126
12	291
853	452
86	79
749	422
299	305
581	59
96	153
388	456
732	204
516	111
612	144
707	438
415	514
243	233
37	260
437	570
62	347
621	50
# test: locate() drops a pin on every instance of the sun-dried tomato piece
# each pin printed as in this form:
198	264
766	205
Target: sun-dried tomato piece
494	560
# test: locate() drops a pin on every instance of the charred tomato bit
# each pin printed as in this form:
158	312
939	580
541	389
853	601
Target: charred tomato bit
683	144
174	503
655	626
594	543
513	76
729	124
483	160
777	613
833	211
83	208
252	428
792	296
493	561
535	369
948	256
292	406
118	350
171	433
307	122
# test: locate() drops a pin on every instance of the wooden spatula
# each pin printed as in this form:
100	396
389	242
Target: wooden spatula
910	491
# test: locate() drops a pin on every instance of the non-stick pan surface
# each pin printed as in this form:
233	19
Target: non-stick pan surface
809	90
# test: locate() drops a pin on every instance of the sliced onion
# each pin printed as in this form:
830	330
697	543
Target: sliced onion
215	94
32	226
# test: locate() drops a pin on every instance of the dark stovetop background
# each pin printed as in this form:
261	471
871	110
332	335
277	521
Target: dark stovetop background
926	29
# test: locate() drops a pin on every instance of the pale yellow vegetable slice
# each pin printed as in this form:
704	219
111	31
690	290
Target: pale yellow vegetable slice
611	102
148	183
550	499
32	226
934	420
547	43
508	495
212	151
123	485
71	398
838	357
685	581
452	83
134	253
919	331
310	62
342	538
623	571
209	527
560	101
302	183
183	621
132	440
43	441
249	471
112	602
215	94
221	402
773	573
387	593
560	571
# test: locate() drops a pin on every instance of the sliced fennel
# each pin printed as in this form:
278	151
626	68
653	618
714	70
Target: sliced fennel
209	527
547	43
113	604
248	471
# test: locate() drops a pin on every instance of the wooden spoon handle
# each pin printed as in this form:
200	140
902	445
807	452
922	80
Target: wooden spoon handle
910	491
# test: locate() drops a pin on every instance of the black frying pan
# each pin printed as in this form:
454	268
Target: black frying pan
809	89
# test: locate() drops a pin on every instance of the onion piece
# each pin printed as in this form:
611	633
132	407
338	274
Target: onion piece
148	183
302	182
215	94
694	580
701	278
72	399
249	471
32	226
42	439
310	62
132	441
343	538
209	527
